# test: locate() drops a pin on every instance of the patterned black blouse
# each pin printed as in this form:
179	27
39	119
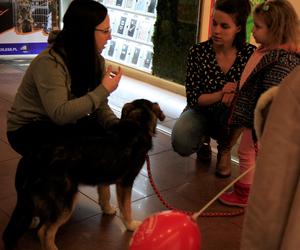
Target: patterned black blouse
204	75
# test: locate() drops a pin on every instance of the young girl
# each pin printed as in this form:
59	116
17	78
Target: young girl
276	29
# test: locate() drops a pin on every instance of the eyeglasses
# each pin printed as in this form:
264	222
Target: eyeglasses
105	32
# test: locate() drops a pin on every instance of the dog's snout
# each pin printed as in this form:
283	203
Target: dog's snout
158	112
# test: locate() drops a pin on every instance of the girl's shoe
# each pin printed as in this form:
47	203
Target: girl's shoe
238	197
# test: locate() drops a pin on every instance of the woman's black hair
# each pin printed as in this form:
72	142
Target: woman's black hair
76	44
239	10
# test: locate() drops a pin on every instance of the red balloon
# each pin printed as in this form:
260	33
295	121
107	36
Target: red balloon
167	230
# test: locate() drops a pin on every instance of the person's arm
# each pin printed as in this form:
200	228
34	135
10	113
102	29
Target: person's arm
105	116
194	82
208	99
53	86
193	78
225	95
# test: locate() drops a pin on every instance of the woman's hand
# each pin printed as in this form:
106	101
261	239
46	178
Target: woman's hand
229	87
227	99
226	95
228	90
111	79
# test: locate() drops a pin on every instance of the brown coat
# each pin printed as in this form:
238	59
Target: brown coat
273	217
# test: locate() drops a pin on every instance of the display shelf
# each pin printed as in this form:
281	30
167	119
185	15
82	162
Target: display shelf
132	24
146	14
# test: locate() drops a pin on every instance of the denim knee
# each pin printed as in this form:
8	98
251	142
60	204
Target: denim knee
180	145
188	133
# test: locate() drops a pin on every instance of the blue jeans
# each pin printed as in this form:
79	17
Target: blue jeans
189	132
194	126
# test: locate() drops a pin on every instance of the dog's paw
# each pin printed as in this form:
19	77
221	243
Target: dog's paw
132	225
109	210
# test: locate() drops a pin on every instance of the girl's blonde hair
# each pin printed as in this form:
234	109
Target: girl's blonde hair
282	21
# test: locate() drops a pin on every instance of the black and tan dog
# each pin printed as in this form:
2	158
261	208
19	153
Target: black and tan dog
47	183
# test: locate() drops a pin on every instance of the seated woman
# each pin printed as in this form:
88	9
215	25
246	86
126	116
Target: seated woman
63	94
213	71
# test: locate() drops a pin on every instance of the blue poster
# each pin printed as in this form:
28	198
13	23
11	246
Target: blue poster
21	48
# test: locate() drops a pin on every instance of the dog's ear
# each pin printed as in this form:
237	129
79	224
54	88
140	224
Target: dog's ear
127	108
158	112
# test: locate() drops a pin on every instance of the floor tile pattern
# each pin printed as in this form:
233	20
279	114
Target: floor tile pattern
183	182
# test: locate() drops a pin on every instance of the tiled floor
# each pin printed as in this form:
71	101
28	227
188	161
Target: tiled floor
183	182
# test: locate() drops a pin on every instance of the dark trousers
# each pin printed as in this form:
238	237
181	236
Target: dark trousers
36	134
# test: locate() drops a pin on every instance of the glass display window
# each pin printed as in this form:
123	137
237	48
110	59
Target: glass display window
132	24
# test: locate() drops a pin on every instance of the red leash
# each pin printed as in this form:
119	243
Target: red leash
167	205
